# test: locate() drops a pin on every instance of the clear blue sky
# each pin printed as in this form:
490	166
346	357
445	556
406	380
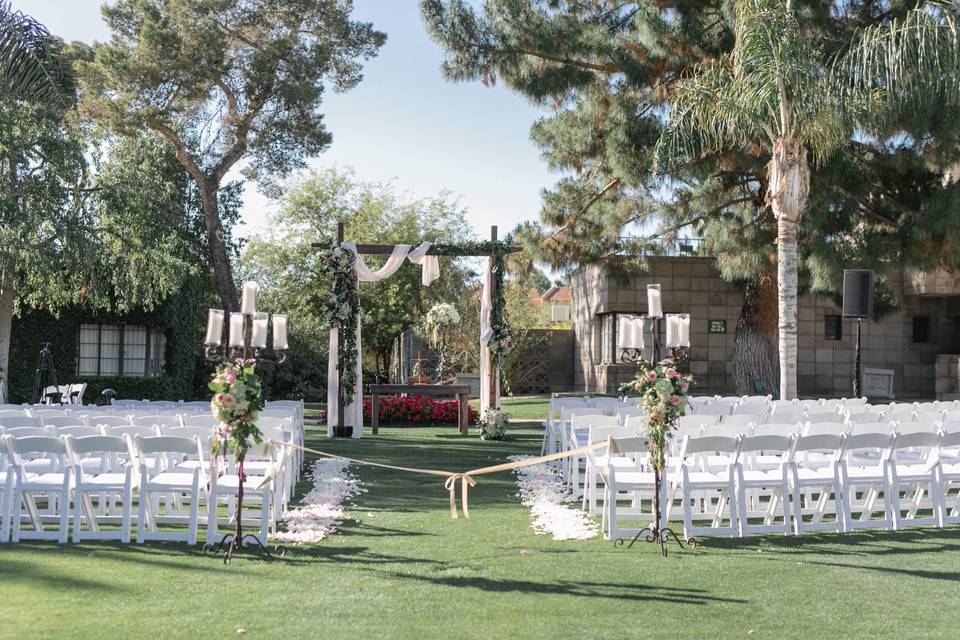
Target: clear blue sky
404	122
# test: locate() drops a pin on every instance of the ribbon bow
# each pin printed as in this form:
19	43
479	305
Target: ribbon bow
451	485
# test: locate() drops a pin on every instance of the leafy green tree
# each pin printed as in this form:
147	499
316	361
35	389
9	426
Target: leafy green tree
776	91
282	261
225	82
32	66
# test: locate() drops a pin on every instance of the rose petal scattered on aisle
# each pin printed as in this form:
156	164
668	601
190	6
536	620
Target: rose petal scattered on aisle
321	508
543	490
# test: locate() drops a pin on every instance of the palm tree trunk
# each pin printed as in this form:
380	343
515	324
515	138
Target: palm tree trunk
755	362
787	193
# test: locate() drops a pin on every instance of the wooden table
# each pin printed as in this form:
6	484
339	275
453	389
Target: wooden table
459	391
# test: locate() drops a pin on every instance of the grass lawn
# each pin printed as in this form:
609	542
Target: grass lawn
400	568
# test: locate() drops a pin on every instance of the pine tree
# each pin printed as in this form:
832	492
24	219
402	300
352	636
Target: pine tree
607	70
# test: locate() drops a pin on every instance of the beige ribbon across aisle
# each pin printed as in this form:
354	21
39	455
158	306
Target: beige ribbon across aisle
466	478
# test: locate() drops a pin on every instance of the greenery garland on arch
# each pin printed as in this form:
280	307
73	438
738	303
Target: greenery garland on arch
342	305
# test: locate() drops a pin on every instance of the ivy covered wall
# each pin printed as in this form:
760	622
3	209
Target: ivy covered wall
181	317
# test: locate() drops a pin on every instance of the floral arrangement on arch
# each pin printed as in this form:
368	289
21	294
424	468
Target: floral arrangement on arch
663	391
492	424
502	341
342	307
236	404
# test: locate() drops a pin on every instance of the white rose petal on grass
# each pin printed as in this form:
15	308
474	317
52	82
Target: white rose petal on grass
321	509
542	489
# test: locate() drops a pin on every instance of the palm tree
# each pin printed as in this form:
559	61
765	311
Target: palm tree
31	67
776	93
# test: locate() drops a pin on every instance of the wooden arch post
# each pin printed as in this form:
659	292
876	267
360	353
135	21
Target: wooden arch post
343	431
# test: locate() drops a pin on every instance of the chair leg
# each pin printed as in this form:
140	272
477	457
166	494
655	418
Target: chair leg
142	514
77	516
212	518
194	506
125	518
64	518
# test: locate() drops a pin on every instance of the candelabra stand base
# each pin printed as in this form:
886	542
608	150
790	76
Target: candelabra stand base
659	536
230	543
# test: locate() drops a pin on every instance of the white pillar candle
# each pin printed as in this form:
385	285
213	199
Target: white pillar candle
279	332
258	335
248	301
654	305
636	333
214	327
672	331
623	332
236	330
684	329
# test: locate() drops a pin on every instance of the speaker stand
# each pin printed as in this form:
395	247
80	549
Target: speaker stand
858	372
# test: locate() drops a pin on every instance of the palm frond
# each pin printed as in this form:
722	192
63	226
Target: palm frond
31	66
912	60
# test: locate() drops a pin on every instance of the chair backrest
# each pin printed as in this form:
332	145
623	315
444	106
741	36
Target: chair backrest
787	415
203	433
77	431
634	444
862	417
706	444
569	402
625	412
783	405
835	428
831	404
130	430
752	407
917	439
583	422
13	422
876	441
716	408
928	416
97	444
872	427
206	420
127	403
636	424
768	443
36	444
45	413
777	429
157	420
950	439
607	404
918	426
698	420
809	405
109	420
727	430
28	432
168	444
819	442
742	419
61	421
899	409
852	404
823	416
602	433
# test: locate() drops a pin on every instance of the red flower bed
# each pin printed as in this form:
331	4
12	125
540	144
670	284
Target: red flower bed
416	410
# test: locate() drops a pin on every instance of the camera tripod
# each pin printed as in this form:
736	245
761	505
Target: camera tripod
46	375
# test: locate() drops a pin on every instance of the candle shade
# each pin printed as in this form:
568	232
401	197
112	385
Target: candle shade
654	303
258	335
623	332
683	326
248	300
214	327
236	330
636	333
279	332
673	331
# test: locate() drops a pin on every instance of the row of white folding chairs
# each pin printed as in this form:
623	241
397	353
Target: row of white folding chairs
789	484
91	474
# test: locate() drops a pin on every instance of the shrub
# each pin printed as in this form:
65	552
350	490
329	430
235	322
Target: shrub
416	411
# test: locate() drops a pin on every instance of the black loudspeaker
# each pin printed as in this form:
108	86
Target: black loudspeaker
857	293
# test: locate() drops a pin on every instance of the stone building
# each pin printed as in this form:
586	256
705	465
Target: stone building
909	350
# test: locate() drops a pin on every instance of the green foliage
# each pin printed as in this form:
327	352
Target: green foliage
32	65
285	264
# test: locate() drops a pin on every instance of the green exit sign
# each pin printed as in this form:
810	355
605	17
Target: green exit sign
717	326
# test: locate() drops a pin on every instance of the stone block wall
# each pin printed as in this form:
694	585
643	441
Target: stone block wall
825	367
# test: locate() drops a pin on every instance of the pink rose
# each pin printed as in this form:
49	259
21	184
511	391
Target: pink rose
675	400
684	387
651	377
226	399
230	375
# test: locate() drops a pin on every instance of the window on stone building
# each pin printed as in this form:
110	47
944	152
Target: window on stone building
832	328
608	338
921	329
125	350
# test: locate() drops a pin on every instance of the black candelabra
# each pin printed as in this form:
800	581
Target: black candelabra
247	341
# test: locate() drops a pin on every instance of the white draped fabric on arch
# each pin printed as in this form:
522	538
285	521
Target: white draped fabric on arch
430	266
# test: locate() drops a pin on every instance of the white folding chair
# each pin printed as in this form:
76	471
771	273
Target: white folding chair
596	435
53	487
863	468
7	476
821	480
740	420
575	435
108	420
166	480
914	472
762	491
622	484
61	421
712	492
16	422
256	488
948	476
107	482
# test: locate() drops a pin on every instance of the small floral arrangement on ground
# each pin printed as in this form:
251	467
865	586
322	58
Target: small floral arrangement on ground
237	401
493	424
663	393
417	411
